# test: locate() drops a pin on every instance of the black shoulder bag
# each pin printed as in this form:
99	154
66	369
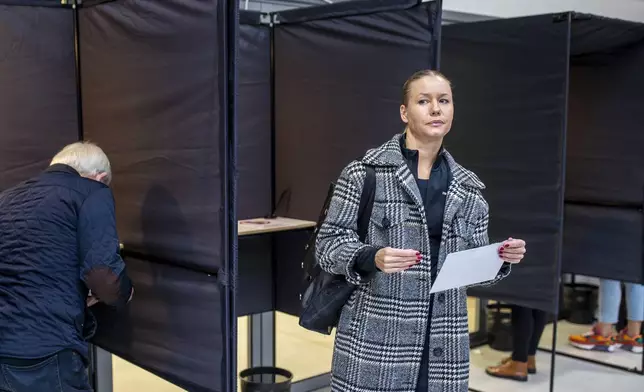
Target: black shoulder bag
327	293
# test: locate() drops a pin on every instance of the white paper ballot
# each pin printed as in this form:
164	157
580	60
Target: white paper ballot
468	267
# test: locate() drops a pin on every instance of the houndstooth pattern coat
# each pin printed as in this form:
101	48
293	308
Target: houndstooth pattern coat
381	333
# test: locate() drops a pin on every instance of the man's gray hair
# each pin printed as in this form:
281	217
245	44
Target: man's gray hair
86	158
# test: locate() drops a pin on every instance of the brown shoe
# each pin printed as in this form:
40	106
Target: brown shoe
532	363
510	370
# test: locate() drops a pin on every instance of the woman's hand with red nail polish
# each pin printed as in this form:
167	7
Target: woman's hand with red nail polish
512	250
390	260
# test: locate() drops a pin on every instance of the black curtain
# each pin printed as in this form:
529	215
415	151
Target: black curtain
338	88
255	119
605	242
605	159
172	328
154	88
509	79
151	76
605	145
38	97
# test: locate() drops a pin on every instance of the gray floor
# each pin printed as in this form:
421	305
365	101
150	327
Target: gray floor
620	358
571	375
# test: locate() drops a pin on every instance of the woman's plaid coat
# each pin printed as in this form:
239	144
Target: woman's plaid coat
381	333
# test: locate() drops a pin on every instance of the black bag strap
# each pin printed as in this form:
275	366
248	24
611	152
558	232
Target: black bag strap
309	262
364	215
366	202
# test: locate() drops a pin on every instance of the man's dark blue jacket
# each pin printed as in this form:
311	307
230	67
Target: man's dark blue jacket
57	241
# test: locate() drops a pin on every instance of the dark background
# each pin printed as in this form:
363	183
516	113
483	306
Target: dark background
254	122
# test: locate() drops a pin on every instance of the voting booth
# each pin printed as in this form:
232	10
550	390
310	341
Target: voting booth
302	74
318	87
549	152
151	82
550	119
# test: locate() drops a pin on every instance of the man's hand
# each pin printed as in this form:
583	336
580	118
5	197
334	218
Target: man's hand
91	300
390	260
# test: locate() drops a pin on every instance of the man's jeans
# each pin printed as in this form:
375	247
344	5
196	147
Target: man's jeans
63	372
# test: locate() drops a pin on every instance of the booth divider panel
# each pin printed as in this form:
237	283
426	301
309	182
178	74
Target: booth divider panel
256	279
338	88
254	122
605	147
38	107
604	242
153	97
154	83
509	80
173	327
290	280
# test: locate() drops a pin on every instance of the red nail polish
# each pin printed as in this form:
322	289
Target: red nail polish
506	245
417	253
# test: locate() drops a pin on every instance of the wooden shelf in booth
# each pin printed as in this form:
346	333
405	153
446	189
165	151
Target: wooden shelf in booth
263	226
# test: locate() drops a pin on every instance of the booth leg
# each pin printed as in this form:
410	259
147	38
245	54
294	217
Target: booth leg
102	364
480	337
317	383
261	345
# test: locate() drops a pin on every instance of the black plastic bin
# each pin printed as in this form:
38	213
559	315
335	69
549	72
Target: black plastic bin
499	326
265	379
581	303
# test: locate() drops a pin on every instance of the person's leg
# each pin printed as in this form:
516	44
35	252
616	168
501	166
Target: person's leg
522	325
631	338
635	308
22	375
516	367
601	338
73	372
610	296
540	319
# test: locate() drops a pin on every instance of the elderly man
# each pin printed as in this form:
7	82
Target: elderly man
58	243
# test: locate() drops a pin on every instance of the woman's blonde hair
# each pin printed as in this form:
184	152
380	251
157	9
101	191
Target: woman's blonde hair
417	76
86	158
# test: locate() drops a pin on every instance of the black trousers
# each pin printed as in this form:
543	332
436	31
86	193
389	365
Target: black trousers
527	328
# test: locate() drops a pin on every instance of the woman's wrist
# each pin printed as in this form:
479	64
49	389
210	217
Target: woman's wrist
365	263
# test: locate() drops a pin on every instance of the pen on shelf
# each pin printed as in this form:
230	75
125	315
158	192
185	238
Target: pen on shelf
255	222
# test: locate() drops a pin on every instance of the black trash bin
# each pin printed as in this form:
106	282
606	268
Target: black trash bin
265	379
499	326
581	303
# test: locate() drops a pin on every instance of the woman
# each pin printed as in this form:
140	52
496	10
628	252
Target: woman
393	335
527	327
603	337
